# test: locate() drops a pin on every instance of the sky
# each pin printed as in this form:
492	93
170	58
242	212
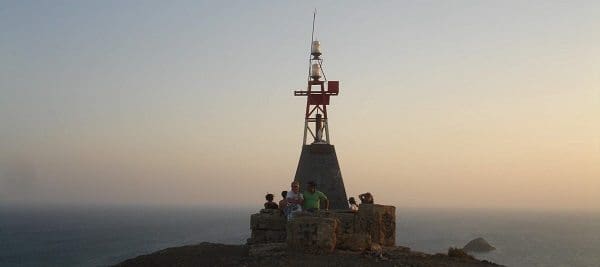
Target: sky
444	104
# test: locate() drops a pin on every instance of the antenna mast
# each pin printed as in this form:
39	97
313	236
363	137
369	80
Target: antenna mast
312	39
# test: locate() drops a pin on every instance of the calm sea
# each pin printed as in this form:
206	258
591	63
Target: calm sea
100	236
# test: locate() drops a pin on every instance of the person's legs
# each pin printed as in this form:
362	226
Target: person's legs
290	210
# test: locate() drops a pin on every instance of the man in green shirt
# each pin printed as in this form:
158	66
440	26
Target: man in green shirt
313	198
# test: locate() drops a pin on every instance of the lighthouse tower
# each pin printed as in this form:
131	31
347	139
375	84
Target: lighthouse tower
318	160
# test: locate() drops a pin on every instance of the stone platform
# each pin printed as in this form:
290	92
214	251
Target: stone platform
324	231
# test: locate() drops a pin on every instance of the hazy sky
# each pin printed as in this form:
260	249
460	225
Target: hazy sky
442	104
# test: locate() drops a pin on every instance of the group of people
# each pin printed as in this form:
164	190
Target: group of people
295	201
310	200
365	198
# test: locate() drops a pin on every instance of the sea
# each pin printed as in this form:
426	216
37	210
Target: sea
106	235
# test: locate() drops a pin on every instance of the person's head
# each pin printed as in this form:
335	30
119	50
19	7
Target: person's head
367	198
284	194
312	186
269	197
296	186
351	200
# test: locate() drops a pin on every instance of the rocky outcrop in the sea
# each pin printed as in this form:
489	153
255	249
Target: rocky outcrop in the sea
478	245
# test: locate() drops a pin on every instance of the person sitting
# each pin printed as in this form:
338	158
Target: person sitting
270	205
353	205
313	198
283	201
294	200
366	198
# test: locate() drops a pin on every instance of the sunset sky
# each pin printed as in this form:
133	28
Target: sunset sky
444	104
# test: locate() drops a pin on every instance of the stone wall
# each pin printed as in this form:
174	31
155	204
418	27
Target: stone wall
349	236
268	226
379	221
316	235
324	231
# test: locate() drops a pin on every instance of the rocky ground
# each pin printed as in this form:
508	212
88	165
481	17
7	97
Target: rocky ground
277	254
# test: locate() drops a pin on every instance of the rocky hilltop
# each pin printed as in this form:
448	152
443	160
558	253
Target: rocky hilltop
366	237
277	254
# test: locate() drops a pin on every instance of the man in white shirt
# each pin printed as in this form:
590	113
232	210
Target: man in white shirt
294	199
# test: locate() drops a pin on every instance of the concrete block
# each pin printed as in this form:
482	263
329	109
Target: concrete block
319	163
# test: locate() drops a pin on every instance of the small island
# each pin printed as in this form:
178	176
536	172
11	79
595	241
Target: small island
478	245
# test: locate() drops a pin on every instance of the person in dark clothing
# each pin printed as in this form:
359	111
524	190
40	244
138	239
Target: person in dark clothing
270	204
283	202
366	198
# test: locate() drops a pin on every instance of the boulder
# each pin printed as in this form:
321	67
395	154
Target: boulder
478	245
268	220
379	221
267	226
375	250
313	235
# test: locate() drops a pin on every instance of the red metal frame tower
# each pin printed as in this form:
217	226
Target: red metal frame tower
317	100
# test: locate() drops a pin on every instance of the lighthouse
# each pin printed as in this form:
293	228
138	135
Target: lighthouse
318	160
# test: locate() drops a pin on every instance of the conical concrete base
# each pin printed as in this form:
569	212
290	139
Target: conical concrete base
318	163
